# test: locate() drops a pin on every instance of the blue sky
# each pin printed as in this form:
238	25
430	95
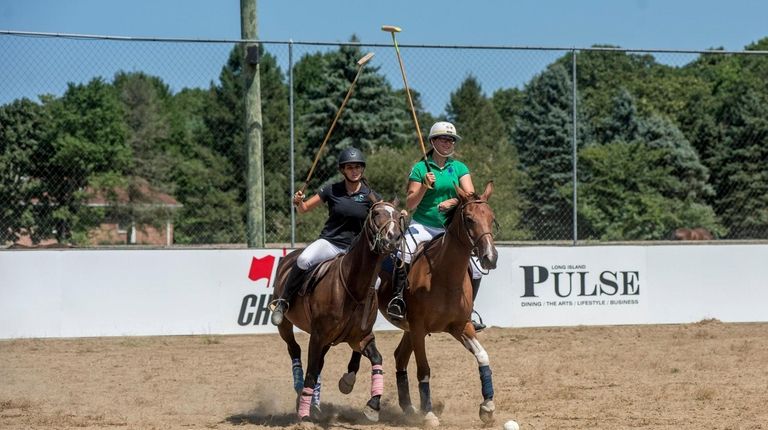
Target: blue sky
672	24
634	24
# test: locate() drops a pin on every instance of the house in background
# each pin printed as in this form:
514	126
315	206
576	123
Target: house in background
136	215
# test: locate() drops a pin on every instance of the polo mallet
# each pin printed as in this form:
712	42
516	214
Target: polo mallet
360	64
392	30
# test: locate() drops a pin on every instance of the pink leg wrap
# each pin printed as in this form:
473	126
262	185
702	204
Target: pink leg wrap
304	401
377	380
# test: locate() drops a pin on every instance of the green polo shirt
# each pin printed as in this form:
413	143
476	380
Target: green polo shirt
426	212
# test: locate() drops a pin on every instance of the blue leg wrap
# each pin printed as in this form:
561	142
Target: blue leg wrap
298	375
426	399
487	382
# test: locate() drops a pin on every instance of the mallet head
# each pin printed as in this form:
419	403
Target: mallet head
365	58
391	29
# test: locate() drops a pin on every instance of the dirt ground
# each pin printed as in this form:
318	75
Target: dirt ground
708	375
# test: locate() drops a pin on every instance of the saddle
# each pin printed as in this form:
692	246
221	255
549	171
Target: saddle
315	275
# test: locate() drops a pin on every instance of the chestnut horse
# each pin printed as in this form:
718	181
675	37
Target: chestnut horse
698	233
341	305
439	299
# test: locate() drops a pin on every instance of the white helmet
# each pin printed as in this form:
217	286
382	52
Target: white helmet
443	128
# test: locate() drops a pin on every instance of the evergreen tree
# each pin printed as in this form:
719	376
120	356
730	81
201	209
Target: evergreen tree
740	172
488	153
276	144
371	118
544	140
225	123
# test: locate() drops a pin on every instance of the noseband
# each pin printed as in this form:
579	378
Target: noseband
376	234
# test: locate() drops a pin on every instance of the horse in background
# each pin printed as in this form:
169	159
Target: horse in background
340	306
698	233
439	299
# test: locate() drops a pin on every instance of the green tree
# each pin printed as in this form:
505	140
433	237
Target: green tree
23	129
89	144
665	189
203	180
147	105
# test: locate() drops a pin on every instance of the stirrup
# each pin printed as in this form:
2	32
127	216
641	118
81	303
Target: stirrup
278	307
396	308
479	326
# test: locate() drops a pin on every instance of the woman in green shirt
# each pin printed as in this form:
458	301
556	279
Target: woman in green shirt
430	195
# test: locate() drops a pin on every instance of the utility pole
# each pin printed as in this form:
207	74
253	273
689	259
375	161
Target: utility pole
253	126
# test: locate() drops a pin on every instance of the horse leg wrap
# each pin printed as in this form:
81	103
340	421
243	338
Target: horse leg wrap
487	382
426	399
403	391
298	375
305	399
377	380
316	392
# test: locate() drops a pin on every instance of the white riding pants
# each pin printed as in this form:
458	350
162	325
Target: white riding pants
418	233
317	252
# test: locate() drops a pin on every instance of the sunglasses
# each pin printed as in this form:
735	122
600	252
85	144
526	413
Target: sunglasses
445	139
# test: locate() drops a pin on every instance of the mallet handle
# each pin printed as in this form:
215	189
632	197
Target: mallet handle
361	64
410	100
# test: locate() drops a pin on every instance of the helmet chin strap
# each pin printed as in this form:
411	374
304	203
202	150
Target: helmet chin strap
441	154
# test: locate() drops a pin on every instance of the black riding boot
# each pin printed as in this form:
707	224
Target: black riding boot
292	285
479	326
396	306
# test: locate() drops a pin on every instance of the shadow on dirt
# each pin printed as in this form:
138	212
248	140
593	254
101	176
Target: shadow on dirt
330	415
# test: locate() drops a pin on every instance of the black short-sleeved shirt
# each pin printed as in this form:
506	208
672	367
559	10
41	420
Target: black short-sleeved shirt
346	212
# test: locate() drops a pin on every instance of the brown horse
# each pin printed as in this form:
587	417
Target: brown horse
698	233
341	306
439	299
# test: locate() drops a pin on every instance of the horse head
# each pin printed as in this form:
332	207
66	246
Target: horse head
479	223
384	226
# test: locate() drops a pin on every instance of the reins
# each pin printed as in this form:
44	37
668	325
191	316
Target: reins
376	245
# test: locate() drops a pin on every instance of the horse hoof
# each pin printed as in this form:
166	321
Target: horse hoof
371	414
431	420
487	409
347	382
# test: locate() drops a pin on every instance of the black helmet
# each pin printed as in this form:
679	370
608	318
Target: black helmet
351	155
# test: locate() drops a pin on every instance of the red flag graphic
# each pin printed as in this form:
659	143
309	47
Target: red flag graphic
262	268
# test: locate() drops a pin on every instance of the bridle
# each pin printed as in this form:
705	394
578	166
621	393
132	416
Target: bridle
376	234
473	243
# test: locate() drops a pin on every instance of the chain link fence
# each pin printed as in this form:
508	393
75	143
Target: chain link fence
107	141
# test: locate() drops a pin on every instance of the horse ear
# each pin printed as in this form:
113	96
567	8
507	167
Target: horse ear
488	191
373	198
395	201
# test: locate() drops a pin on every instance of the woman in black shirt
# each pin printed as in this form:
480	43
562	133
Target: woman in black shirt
348	205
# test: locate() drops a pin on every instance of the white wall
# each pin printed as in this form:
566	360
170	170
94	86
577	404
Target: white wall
74	293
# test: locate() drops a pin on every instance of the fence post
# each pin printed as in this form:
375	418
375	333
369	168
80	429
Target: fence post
292	153
575	154
253	126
